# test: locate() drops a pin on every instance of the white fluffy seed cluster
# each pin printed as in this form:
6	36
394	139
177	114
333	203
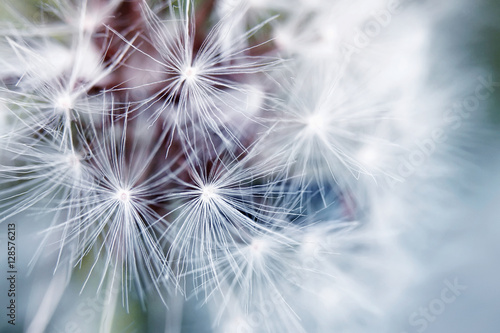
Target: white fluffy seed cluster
234	150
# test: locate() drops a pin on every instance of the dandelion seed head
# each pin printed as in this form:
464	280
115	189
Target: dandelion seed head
214	192
123	195
189	74
315	124
209	193
64	103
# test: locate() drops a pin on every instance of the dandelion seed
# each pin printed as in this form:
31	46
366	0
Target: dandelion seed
315	124
198	83
123	196
189	74
324	139
208	193
121	209
255	272
216	207
65	102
